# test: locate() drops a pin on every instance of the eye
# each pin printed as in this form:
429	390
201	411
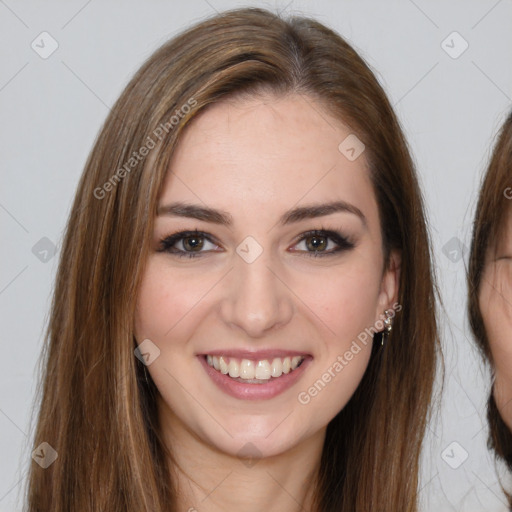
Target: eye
195	244
187	243
322	243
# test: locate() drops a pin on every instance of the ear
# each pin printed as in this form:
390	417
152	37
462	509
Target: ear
390	284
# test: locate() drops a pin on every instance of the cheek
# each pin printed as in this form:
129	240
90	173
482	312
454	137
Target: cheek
154	304
496	311
503	396
344	299
496	308
165	298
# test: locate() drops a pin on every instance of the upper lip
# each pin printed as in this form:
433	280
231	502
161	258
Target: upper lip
255	354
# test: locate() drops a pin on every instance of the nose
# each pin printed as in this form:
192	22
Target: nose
257	300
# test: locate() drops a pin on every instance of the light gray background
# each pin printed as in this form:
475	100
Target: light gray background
52	109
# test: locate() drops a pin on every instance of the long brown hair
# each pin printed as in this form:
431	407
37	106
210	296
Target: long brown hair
97	409
492	209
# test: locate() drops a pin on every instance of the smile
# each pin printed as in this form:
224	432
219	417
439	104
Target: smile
254	371
253	376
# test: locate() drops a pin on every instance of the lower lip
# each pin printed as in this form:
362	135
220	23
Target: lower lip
269	389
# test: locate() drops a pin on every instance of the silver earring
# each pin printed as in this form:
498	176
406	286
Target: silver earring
388	324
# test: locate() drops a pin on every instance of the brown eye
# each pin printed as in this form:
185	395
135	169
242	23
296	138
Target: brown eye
193	243
188	243
316	243
322	243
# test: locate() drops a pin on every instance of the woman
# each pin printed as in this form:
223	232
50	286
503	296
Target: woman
490	289
244	309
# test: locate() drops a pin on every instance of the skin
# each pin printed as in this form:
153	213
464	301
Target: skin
496	306
255	159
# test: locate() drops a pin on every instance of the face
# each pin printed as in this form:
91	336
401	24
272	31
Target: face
266	263
496	307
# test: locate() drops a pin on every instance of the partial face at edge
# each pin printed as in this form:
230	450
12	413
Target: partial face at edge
496	307
282	289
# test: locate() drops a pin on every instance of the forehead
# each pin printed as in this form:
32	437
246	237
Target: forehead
267	151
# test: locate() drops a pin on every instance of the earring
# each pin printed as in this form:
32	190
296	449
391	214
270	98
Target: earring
388	324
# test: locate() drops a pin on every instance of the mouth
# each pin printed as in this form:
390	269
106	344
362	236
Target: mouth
251	376
254	371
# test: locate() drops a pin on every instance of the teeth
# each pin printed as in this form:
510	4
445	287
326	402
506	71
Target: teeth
295	362
234	369
277	367
247	370
262	371
250	370
224	368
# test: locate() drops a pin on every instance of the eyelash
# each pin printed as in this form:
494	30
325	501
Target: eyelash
343	243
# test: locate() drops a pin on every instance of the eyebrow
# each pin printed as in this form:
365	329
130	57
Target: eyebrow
312	211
